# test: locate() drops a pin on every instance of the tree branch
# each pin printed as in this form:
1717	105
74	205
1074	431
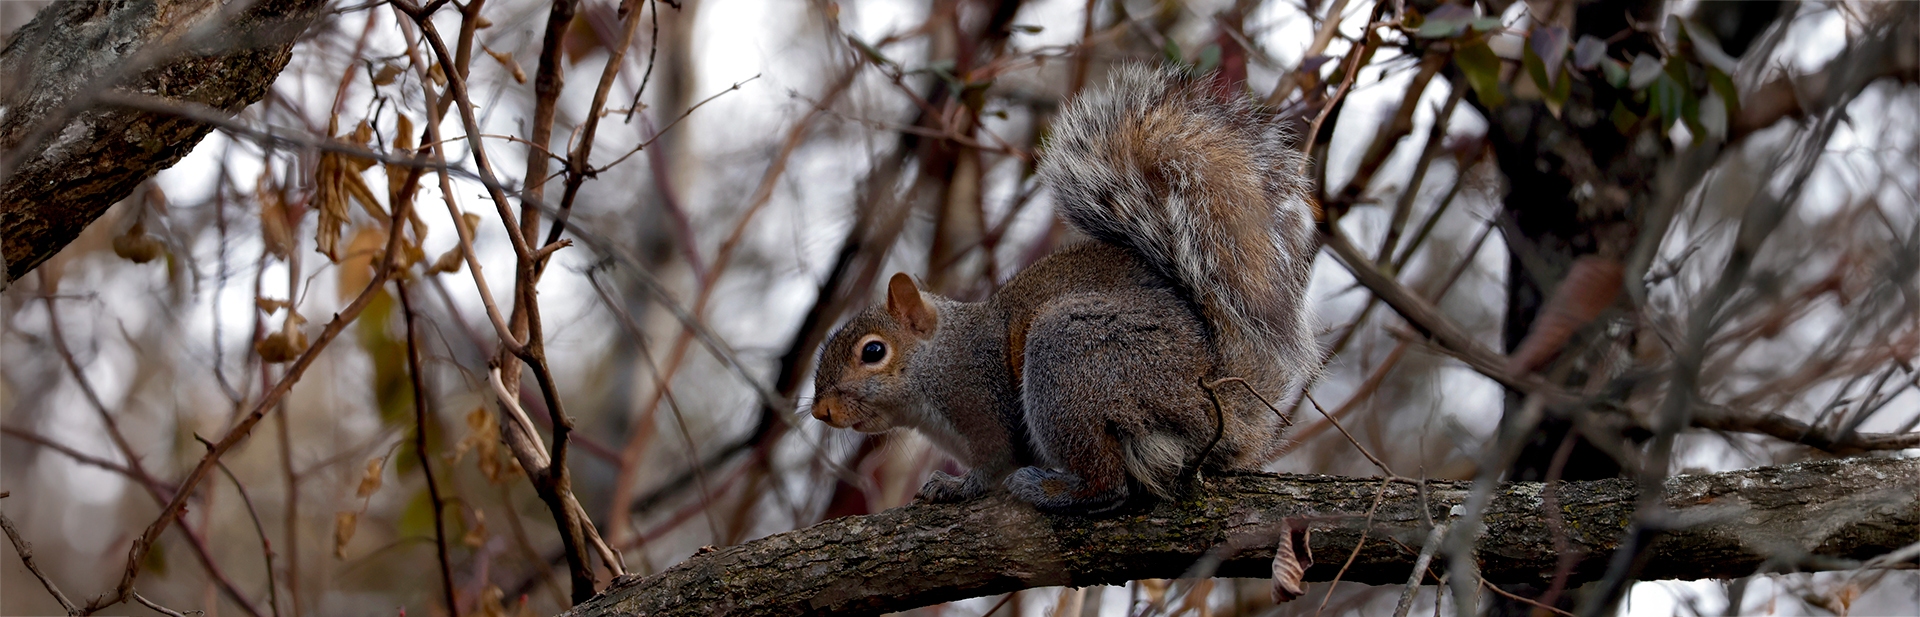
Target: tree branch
64	159
1820	515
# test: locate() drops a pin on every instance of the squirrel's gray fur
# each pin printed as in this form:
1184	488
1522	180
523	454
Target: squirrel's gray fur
1088	374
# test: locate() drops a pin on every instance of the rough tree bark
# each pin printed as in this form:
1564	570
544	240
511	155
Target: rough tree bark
1808	516
64	159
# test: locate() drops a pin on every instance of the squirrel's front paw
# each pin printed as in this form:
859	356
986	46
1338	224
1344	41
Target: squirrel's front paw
944	488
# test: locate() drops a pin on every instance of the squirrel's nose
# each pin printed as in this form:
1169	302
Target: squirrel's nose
823	411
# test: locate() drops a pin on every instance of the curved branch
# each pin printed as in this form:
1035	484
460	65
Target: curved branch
1819	515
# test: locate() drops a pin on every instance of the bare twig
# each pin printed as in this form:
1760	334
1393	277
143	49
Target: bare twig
25	550
1379	495
1356	443
417	376
161	609
266	547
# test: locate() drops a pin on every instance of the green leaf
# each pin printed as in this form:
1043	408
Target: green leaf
1209	59
1482	69
1536	68
1667	100
1171	52
1551	45
1615	71
1447	21
1623	118
1722	84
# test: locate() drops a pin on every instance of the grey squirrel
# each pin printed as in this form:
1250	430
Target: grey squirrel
1086	376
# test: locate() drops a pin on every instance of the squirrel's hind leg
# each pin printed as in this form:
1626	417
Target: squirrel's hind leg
1101	374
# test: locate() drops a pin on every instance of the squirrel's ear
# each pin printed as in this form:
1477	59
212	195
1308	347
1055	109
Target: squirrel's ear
907	307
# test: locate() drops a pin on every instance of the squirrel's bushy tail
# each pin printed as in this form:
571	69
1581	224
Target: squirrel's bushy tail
1206	191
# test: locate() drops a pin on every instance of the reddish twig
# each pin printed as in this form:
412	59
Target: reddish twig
414	373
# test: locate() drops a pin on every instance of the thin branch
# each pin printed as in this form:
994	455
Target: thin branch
161	609
266	547
416	375
25	550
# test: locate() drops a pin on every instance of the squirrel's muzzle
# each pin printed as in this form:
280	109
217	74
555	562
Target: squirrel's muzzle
823	409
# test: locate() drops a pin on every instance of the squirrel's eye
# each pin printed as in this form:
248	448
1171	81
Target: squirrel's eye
873	352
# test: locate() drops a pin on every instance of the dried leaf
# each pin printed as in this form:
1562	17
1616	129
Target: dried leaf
357	264
490	602
1291	558
387	74
512	66
482	23
275	228
1591	286
437	74
448	262
370	478
483	438
398	174
343	528
270	305
282	346
1196	599
1156	590
136	246
477	532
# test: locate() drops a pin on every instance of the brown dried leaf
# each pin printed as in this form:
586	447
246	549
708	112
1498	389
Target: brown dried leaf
370	478
282	346
362	256
1291	558
387	74
1196	599
270	305
275	228
448	262
1156	590
512	66
477	532
331	197
483	438
344	524
1590	288
490	605
357	188
136	246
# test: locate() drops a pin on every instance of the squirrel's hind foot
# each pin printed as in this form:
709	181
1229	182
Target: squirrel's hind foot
1064	493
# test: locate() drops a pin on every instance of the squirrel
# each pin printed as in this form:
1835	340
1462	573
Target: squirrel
1104	369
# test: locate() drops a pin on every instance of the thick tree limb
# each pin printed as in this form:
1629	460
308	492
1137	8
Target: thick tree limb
1818	515
63	160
